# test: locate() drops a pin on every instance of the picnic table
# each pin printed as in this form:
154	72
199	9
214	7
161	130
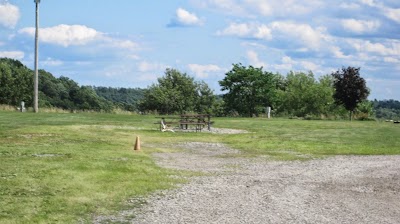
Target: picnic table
186	121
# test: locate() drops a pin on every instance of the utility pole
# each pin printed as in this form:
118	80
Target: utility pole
36	77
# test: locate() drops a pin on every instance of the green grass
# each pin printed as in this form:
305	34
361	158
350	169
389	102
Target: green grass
66	168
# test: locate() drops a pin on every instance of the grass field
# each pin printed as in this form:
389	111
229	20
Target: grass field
66	168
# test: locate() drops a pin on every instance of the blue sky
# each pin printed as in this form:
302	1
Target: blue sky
129	43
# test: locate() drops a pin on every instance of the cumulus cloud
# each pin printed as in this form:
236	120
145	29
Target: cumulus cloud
202	71
185	18
360	26
254	60
390	48
78	35
390	13
393	14
9	15
65	35
295	33
300	33
252	8
19	55
247	30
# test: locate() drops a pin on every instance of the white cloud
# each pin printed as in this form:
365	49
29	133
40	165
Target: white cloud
225	6
65	35
9	15
202	71
185	18
19	55
393	14
254	60
247	30
145	66
349	5
287	64
78	35
51	62
254	8
391	60
385	49
360	26
337	52
301	33
309	66
262	7
368	2
122	44
284	31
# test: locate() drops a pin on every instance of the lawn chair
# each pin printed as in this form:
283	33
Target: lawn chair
165	127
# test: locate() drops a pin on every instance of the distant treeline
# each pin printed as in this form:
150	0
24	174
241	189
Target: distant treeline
387	109
294	95
16	85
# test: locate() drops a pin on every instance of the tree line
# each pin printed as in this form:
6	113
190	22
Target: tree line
16	85
247	91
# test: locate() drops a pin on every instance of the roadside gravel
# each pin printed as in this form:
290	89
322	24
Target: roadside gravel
340	189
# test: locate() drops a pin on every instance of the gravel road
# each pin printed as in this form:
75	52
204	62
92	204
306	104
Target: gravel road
340	189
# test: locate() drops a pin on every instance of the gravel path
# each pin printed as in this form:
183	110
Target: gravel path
340	189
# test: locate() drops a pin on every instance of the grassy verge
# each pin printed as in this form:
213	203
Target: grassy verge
65	168
285	138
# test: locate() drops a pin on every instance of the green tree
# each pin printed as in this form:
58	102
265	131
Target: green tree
176	92
350	88
16	83
206	99
249	89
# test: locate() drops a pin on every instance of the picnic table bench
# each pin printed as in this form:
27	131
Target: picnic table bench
185	121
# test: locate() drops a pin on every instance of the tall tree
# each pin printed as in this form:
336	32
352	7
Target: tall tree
16	83
249	89
350	88
176	92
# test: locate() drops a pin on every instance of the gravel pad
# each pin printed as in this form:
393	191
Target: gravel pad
340	189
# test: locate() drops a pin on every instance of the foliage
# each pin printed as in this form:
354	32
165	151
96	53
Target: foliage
249	89
365	110
67	94
177	92
303	96
387	109
350	88
124	98
16	83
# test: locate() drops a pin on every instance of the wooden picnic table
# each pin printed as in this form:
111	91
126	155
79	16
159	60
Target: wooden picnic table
198	121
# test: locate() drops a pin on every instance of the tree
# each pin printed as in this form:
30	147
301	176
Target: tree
16	83
176	92
350	88
250	89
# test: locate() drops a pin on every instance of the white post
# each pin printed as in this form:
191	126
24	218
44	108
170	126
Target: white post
269	112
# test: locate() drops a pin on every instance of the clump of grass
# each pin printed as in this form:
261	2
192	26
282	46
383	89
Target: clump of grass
5	107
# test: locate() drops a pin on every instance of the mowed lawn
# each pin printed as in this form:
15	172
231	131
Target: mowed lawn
67	168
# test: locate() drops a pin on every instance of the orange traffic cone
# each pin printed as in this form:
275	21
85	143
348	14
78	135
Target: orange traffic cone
137	144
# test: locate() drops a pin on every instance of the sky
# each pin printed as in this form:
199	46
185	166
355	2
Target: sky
126	43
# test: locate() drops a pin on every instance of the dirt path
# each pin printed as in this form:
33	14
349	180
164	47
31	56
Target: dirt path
341	189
